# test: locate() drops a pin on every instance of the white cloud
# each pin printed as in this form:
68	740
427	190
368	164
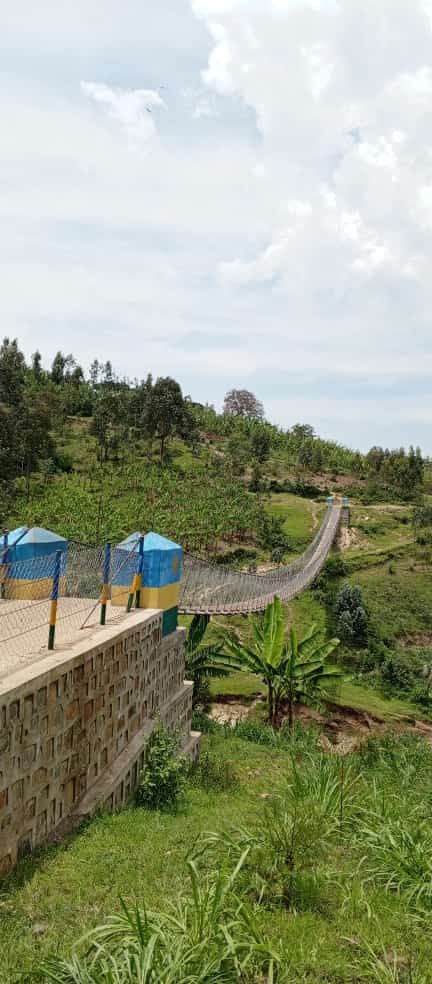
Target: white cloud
132	109
280	228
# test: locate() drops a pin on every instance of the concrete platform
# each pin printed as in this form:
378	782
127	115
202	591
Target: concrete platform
24	628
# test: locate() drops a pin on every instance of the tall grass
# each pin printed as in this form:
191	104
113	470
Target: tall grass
208	937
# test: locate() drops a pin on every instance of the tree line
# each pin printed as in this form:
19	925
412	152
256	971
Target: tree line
36	402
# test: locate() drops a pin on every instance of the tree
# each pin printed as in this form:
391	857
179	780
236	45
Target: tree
290	669
202	662
166	414
238	451
243	403
351	616
36	366
261	445
12	372
272	536
108	423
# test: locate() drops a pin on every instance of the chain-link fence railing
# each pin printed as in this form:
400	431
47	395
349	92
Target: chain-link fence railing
81	581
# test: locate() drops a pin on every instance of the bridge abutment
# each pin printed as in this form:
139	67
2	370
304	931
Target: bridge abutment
74	727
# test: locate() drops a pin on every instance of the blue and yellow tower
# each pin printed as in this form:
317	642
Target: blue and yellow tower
28	562
155	565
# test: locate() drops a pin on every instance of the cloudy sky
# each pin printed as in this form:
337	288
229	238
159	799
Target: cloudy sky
233	192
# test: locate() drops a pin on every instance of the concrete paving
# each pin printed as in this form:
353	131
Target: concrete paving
24	628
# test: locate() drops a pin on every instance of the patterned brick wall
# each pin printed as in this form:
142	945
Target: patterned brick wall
65	725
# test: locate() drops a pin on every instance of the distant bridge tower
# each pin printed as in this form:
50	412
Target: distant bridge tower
346	512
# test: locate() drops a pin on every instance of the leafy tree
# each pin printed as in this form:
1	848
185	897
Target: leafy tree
12	372
108	424
25	417
351	616
291	669
58	368
238	451
166	414
243	403
202	662
272	536
36	366
261	445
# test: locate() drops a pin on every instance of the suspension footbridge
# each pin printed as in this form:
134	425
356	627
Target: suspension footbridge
26	606
211	589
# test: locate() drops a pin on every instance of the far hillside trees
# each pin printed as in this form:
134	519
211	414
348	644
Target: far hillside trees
243	403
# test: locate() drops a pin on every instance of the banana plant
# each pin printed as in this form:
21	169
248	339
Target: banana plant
291	669
203	662
305	667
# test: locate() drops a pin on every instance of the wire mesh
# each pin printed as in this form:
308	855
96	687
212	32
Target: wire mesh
25	600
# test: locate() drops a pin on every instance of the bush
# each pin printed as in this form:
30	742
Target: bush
351	618
335	566
212	773
202	722
162	781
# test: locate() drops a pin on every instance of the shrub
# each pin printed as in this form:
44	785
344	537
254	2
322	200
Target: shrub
213	773
202	722
163	779
351	617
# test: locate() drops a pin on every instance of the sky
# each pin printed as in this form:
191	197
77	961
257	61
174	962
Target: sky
237	193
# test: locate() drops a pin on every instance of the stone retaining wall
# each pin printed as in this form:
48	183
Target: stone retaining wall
73	727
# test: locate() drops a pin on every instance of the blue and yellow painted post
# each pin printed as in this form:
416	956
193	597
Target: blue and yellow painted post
106	577
153	578
31	558
4	563
163	561
54	598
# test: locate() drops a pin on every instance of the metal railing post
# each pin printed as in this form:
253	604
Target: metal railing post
139	572
4	566
105	588
135	591
54	599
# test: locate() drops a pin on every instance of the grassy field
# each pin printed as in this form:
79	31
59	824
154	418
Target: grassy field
135	855
345	925
400	599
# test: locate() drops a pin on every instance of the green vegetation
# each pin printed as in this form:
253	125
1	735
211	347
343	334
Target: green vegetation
203	662
291	670
333	856
162	782
332	860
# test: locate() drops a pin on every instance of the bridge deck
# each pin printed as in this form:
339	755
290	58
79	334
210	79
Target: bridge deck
24	628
